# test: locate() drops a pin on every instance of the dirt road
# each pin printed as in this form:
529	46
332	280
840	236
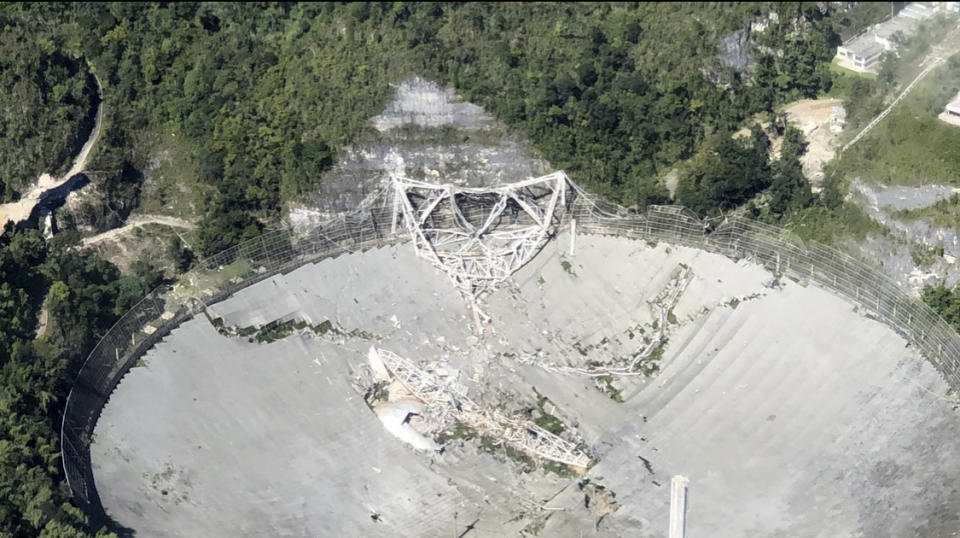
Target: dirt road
135	222
20	210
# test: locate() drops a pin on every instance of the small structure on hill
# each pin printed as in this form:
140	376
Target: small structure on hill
951	113
838	118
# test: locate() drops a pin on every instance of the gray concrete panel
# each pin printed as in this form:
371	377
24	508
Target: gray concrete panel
791	413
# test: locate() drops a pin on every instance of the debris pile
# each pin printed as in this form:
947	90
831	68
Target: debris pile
419	403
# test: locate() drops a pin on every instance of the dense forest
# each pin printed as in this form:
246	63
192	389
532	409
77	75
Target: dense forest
83	296
266	96
44	106
945	301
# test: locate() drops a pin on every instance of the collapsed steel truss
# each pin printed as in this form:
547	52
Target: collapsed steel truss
479	236
446	400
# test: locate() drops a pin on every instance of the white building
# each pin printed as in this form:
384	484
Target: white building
863	52
951	112
860	53
920	10
892	32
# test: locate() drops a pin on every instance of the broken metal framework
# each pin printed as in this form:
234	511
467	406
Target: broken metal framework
447	401
164	309
479	236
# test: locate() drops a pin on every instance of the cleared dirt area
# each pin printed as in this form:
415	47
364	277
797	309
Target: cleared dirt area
812	116
153	240
137	221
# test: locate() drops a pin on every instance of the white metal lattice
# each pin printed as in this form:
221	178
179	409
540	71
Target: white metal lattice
479	236
448	400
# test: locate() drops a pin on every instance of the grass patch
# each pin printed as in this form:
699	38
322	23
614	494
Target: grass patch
560	469
651	365
829	226
657	352
541	400
567	266
203	281
544	419
489	444
534	528
598	498
911	146
924	256
550	423
605	384
275	330
323	328
942	214
907	65
171	187
460	432
379	392
149	243
237	269
526	463
842	80
446	135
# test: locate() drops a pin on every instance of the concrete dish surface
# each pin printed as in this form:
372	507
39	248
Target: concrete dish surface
790	413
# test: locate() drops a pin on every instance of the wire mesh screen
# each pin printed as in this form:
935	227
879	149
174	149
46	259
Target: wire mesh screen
784	254
222	274
166	307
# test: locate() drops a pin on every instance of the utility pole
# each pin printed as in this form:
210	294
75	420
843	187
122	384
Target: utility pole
573	236
678	506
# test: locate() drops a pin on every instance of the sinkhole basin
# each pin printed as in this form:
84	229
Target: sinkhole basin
790	412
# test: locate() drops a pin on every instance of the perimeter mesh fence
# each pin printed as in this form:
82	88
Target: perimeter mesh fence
166	307
784	254
222	274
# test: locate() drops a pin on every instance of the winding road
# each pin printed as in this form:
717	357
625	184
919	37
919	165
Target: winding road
135	222
20	210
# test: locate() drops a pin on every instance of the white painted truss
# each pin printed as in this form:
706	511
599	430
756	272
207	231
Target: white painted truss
446	401
479	236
